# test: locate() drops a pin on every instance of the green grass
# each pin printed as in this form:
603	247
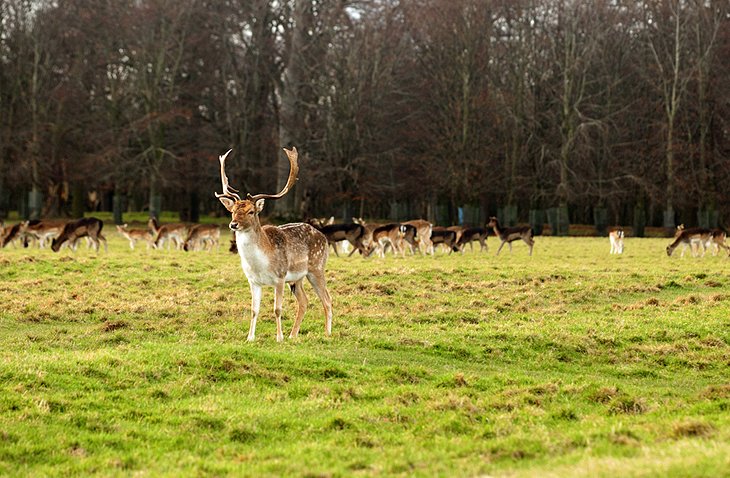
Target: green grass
568	363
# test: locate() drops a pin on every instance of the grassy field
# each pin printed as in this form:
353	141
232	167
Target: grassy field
568	363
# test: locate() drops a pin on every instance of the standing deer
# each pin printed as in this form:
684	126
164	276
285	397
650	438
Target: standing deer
509	234
134	235
616	238
275	256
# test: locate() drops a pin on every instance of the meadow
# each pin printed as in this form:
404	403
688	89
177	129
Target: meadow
567	363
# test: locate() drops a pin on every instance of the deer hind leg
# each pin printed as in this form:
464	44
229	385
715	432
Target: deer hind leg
320	288
297	289
255	306
530	242
278	301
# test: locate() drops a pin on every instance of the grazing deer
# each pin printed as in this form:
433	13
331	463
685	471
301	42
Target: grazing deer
275	256
423	235
442	235
470	235
509	234
352	233
410	237
134	235
42	231
85	227
388	235
173	233
693	238
11	234
202	236
616	238
718	241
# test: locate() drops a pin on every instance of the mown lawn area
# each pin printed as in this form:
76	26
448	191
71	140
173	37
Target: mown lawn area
567	363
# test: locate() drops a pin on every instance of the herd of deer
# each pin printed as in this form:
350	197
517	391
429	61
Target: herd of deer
60	233
275	256
416	235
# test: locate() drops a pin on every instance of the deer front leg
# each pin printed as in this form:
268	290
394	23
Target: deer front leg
278	301
255	305
500	247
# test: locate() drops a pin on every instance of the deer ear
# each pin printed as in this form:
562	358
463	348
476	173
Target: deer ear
227	203
259	205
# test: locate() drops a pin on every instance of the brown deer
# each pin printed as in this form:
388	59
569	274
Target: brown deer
202	236
509	234
694	238
718	241
134	235
85	227
388	235
352	233
447	237
173	233
275	256
11	234
43	231
423	235
471	234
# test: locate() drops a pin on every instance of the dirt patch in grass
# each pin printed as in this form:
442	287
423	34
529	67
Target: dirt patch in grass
692	429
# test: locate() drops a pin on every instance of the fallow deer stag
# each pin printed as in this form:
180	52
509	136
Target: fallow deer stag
509	234
275	256
85	227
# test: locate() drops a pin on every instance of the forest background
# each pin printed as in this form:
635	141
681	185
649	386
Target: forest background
600	112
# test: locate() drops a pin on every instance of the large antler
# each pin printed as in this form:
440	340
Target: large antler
293	155
228	192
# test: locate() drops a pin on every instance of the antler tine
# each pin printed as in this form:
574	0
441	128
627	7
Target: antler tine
228	191
293	156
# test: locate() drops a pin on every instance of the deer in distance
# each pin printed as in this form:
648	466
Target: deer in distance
134	235
509	234
277	255
616	238
85	227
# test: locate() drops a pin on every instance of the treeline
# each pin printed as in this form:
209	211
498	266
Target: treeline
613	112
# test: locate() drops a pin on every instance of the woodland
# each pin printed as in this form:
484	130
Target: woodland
600	112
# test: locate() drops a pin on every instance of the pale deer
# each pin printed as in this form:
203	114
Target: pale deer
509	234
616	238
173	233
85	227
202	237
694	238
423	235
43	231
134	235
275	256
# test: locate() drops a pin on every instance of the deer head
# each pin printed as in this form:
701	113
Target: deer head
245	212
